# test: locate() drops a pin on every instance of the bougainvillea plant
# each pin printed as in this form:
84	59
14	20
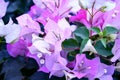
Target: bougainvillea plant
59	40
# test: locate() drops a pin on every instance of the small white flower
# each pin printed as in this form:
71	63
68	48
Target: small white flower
39	55
89	47
69	76
113	37
42	61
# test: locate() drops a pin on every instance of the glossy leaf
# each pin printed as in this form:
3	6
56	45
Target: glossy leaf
102	50
95	29
103	42
109	30
83	44
82	32
70	44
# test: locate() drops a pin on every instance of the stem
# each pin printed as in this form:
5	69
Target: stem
58	3
96	12
47	6
66	11
92	16
89	12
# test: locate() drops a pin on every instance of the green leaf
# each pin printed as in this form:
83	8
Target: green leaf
84	42
79	39
78	24
95	37
71	56
82	32
95	29
102	50
109	30
103	40
70	44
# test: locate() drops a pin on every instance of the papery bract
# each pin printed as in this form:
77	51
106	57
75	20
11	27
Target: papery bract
112	17
56	64
116	50
28	25
98	4
81	15
98	20
38	50
55	9
40	59
85	68
84	17
58	7
3	8
10	31
57	32
18	48
40	44
105	72
35	12
38	3
75	5
86	3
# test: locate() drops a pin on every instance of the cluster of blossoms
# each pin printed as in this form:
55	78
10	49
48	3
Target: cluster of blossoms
50	33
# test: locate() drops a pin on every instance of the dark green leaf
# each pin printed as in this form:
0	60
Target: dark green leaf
95	37
103	40
13	75
11	68
78	24
109	30
71	55
82	32
102	50
44	76
17	8
79	39
70	44
3	56
95	29
30	67
39	76
83	44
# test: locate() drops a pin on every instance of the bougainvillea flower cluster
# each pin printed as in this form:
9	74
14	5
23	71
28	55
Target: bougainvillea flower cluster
68	38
